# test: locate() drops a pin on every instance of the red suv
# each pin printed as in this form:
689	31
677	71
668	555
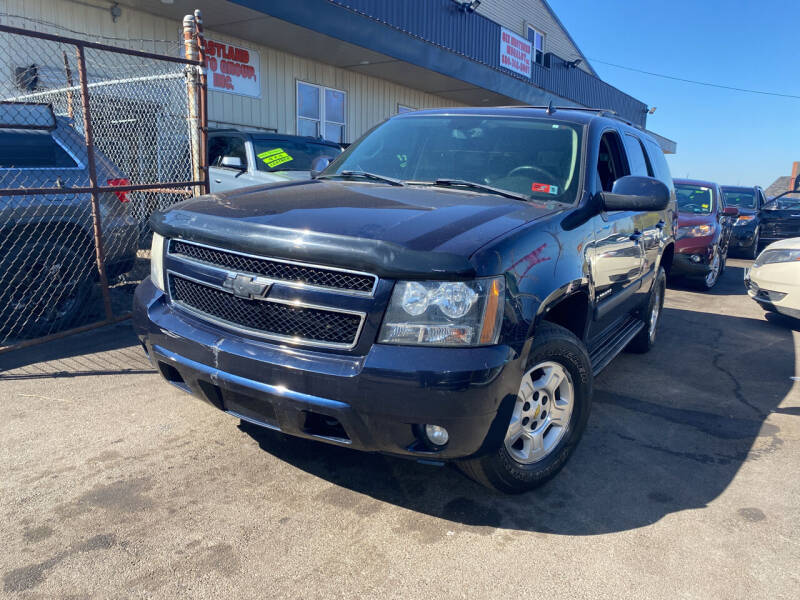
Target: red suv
704	232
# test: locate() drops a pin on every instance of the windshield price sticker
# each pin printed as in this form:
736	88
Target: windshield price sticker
544	188
275	157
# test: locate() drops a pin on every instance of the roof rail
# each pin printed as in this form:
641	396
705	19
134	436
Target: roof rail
605	112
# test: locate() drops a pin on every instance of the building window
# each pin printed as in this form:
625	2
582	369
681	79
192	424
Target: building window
401	108
536	38
320	112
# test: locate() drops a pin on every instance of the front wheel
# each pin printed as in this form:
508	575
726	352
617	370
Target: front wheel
753	253
548	417
714	271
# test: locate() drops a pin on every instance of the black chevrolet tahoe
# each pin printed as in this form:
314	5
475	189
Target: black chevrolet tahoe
446	289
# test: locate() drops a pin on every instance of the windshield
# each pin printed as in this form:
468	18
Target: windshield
537	158
694	199
285	155
740	198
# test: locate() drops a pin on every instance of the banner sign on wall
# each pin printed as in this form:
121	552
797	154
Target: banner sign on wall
515	52
232	69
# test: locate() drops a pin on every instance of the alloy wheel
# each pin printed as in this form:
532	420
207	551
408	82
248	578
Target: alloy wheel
655	312
711	277
541	414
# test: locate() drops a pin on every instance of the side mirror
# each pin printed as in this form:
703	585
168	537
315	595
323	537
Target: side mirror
730	211
318	165
636	193
232	162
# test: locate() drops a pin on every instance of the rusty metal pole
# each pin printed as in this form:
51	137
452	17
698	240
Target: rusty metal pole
192	88
201	48
96	216
68	74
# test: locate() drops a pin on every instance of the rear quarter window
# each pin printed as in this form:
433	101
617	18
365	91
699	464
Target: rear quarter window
32	150
659	162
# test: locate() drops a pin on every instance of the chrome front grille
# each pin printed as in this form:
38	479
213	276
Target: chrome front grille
278	270
271	298
275	320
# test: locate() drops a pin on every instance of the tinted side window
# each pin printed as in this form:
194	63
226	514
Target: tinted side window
226	146
636	158
216	148
660	167
32	150
610	165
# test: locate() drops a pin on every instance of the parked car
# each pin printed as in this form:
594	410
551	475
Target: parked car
745	237
47	256
774	279
780	218
704	232
446	289
239	158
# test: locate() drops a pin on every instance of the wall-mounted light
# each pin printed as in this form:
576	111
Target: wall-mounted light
573	64
116	11
467	6
652	110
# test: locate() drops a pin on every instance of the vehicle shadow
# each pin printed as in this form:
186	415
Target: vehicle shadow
668	432
731	283
107	350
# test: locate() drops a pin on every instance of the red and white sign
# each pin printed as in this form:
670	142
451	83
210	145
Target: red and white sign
232	69
515	52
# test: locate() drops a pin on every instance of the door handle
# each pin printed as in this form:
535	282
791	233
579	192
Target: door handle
218	181
636	236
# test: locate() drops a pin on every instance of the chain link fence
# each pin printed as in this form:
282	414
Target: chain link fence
93	139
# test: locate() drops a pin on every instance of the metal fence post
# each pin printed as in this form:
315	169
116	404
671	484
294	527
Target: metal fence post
96	216
203	93
192	87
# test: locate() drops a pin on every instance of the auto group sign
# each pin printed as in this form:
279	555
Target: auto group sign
232	69
515	52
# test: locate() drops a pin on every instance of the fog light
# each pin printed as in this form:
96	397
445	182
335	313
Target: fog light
437	435
696	258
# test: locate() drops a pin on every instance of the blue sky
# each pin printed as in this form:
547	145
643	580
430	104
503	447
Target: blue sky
724	136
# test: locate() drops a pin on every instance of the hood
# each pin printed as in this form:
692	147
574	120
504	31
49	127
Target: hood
787	244
390	230
690	219
747	211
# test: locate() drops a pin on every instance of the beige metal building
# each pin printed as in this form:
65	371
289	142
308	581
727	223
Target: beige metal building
335	68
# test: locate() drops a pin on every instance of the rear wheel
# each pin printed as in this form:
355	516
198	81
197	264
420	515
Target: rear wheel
548	417
46	287
651	316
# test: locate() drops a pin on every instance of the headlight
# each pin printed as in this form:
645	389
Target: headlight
695	231
157	261
768	257
743	220
445	313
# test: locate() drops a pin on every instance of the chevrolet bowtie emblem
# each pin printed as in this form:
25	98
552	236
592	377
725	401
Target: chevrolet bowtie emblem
247	286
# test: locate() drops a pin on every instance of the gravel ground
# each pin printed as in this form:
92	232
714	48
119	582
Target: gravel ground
115	485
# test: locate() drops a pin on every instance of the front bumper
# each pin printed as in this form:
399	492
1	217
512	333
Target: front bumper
684	266
776	287
375	402
743	236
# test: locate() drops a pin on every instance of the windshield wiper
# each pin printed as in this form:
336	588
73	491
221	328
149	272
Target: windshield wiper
479	186
364	175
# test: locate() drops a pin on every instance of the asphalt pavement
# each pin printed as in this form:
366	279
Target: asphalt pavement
114	484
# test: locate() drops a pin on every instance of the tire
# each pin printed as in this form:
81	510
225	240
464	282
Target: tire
752	254
651	315
46	287
555	353
710	280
